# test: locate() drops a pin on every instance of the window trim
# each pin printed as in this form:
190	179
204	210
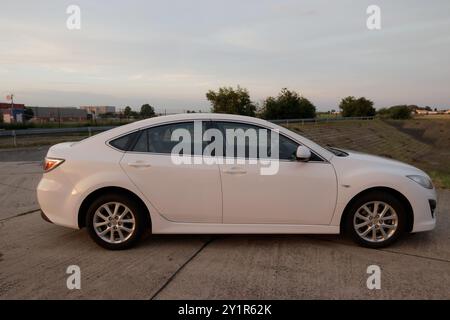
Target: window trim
142	129
212	121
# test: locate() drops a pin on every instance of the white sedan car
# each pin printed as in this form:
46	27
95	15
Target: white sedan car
129	180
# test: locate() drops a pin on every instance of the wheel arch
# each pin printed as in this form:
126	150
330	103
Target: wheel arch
82	211
397	194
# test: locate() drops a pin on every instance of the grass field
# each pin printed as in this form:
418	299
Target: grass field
432	117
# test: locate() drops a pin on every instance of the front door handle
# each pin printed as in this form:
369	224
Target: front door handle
139	164
235	170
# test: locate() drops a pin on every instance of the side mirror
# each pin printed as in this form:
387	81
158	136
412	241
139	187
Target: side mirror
303	154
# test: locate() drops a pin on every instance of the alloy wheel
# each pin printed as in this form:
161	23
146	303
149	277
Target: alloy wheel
114	222
375	221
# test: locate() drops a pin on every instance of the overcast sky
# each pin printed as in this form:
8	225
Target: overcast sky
170	53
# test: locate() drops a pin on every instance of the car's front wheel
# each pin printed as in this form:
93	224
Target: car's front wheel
115	222
376	219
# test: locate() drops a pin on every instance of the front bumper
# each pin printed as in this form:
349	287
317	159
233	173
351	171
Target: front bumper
424	214
44	217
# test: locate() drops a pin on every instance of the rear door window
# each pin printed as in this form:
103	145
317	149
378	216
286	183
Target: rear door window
159	139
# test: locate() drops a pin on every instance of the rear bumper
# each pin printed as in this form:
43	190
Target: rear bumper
58	202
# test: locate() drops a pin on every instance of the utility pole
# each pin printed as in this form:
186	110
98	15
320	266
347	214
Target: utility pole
12	107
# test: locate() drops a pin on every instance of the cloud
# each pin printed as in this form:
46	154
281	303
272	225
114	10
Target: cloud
172	53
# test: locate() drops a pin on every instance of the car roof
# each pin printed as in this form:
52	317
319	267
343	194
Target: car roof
194	116
187	117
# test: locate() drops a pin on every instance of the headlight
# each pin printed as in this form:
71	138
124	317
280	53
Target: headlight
423	181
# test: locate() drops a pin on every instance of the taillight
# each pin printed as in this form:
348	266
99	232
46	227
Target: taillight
51	163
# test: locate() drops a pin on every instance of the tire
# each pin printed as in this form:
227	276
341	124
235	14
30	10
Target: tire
125	228
387	227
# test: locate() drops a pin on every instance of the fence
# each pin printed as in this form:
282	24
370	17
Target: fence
29	132
14	134
318	120
90	130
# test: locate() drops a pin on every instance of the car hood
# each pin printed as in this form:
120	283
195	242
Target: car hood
378	161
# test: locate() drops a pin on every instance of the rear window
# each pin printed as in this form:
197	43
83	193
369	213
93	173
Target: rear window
124	143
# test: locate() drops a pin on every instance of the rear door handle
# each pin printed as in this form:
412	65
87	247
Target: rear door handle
235	170
139	164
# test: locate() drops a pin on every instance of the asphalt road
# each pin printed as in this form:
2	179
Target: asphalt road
34	256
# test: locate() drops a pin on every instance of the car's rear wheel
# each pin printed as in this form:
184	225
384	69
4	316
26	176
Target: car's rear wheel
376	219
115	222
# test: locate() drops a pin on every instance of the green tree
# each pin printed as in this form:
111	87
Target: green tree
396	112
287	105
400	112
134	114
361	107
28	114
233	101
383	113
147	111
127	112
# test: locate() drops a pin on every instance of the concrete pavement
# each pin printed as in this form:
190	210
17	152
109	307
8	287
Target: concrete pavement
34	256
18	182
23	154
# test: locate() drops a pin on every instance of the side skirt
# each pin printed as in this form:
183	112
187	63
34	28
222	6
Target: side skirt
209	228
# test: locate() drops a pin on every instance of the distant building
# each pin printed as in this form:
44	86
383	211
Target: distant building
11	113
56	114
424	112
98	110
